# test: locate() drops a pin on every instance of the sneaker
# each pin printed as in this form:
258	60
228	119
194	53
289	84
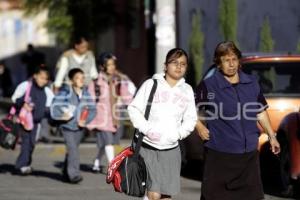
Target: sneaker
96	169
96	166
26	170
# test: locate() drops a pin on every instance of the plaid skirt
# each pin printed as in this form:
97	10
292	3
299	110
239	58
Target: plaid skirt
231	176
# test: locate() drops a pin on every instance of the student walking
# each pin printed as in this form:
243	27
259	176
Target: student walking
75	108
33	97
172	117
111	90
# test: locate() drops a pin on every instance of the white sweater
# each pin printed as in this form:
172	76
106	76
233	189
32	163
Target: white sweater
63	66
173	113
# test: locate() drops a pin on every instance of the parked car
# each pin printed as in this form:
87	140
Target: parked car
279	78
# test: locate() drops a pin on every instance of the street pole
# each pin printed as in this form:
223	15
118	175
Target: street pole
165	31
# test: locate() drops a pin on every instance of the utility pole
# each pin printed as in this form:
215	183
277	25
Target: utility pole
165	30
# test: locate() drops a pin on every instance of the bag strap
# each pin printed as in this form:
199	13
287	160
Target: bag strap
27	92
150	99
147	112
97	90
13	109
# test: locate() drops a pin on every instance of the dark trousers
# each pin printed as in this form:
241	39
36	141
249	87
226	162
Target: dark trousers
72	163
27	147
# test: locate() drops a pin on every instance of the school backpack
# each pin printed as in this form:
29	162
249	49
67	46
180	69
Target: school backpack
8	132
9	125
127	171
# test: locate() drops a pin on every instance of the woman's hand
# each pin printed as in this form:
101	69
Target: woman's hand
275	146
264	121
203	132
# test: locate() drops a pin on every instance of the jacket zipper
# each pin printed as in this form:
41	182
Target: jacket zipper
242	124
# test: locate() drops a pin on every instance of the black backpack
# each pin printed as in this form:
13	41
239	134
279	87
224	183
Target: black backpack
127	171
8	133
134	172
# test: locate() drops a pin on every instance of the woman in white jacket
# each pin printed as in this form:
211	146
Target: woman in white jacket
172	117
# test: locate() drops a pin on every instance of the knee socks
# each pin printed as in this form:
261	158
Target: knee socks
110	152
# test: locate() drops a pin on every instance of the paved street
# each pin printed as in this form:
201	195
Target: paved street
45	183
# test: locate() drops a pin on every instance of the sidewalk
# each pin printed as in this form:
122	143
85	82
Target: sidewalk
59	147
46	183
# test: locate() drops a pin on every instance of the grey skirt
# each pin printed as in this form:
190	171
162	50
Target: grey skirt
104	138
163	170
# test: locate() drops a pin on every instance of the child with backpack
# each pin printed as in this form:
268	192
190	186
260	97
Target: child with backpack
112	91
74	107
172	117
31	98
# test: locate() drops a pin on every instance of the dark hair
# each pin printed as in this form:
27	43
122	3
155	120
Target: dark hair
225	48
79	39
42	68
30	47
73	72
104	57
174	54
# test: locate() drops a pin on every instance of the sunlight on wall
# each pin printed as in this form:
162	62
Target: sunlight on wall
17	31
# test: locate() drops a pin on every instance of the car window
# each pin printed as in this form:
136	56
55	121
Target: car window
276	78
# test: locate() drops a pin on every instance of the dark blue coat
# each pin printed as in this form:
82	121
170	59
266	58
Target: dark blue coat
231	112
38	97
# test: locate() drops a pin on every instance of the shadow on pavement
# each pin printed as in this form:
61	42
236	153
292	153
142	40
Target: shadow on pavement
9	168
83	167
51	175
86	168
58	164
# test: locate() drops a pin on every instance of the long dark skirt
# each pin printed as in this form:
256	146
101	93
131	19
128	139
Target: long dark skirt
231	176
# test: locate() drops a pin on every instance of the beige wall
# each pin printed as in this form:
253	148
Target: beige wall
17	31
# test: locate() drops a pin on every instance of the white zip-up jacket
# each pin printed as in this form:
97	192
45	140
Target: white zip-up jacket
173	113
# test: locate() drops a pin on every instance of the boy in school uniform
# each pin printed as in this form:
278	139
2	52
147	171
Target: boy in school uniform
74	107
